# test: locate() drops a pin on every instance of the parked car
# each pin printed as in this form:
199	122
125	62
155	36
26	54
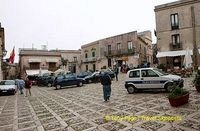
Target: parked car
93	78
96	76
8	86
67	80
84	74
109	71
150	78
45	80
33	79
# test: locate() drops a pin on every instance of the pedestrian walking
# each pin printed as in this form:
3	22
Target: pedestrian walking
116	71
28	85
20	85
106	82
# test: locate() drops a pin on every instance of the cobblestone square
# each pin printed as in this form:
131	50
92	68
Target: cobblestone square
83	108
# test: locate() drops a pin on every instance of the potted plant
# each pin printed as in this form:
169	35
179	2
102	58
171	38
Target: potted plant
196	81
178	96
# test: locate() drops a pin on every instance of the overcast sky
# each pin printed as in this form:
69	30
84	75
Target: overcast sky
68	24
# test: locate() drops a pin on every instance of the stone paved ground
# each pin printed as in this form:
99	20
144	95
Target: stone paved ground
82	108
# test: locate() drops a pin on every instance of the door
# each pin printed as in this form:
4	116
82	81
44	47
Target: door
150	79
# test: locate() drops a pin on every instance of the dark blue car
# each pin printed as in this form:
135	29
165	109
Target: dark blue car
67	80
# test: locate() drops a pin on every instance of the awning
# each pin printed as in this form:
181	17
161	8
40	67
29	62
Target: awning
52	60
34	60
173	53
37	72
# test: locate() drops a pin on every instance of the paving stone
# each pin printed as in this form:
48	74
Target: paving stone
73	120
6	128
81	126
151	125
25	119
50	126
26	125
115	126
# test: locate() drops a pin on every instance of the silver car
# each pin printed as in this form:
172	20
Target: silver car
150	78
8	86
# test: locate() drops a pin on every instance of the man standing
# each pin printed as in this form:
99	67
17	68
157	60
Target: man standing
116	70
106	82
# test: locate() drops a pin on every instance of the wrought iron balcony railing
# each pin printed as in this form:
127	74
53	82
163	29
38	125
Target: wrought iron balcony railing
119	52
90	59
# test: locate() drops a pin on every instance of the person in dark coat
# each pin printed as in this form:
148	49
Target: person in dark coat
106	82
116	71
28	85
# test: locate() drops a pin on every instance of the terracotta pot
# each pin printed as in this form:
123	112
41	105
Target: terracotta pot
197	88
179	100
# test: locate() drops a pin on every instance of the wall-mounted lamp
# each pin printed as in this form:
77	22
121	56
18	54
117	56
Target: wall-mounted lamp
4	52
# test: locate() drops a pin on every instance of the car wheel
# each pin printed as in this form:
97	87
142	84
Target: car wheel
49	84
58	87
168	86
130	89
89	81
80	84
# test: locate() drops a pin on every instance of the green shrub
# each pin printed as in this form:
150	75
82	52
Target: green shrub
177	91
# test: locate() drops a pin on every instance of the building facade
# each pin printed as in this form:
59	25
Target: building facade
71	60
91	56
3	69
178	29
129	49
32	61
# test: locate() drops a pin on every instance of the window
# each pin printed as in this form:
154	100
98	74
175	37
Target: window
174	21
149	73
52	65
118	46
134	74
75	58
109	49
94	67
86	67
145	51
130	45
93	54
35	65
175	39
86	56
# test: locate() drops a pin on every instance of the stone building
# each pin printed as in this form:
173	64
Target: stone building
130	49
71	60
89	54
3	69
32	61
178	28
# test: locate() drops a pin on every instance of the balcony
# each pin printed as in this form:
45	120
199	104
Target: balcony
175	46
90	59
119	52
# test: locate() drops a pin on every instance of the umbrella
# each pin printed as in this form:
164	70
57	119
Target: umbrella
187	59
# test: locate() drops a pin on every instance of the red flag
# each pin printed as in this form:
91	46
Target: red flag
12	56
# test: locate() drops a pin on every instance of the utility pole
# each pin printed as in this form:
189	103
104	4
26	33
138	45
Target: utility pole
194	39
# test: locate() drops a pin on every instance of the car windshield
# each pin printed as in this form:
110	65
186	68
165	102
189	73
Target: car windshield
160	72
7	82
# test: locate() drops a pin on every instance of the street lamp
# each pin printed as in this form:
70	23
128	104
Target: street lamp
4	52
